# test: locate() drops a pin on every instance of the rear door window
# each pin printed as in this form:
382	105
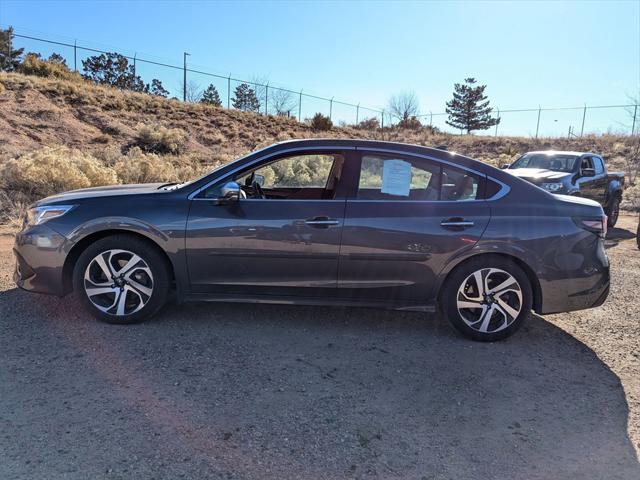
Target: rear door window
404	178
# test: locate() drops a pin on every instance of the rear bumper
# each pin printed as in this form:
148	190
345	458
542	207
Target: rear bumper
585	287
40	253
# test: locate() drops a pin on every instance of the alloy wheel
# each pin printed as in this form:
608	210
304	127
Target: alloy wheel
489	300
118	282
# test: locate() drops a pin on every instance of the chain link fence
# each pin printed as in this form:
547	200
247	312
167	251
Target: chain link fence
622	119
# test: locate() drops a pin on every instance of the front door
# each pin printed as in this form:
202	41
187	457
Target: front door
408	216
282	237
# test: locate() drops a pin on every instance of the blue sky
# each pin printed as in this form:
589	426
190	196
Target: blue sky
554	54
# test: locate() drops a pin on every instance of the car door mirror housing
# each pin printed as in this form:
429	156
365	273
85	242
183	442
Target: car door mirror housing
588	172
504	166
229	193
259	179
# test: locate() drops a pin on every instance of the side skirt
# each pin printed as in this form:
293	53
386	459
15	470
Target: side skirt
291	300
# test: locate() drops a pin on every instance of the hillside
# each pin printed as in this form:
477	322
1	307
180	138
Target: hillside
107	135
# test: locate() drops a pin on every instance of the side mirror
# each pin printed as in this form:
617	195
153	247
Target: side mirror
587	172
229	193
504	166
259	179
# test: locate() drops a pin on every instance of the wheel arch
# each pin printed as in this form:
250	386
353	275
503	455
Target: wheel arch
82	244
530	273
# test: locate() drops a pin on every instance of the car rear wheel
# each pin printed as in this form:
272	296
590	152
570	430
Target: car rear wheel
121	279
613	212
487	298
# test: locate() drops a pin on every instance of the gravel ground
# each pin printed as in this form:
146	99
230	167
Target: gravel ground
279	392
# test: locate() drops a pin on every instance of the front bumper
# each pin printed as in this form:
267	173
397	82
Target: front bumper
40	255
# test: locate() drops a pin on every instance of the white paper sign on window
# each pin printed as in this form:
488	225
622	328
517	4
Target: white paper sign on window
396	178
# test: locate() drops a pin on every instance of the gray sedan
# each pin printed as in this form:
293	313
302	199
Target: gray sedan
325	222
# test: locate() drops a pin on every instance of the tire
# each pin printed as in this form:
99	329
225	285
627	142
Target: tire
121	265
613	212
485	314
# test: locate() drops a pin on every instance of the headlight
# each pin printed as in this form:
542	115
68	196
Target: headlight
38	215
552	187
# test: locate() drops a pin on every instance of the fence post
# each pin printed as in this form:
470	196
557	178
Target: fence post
584	114
498	118
300	107
358	113
75	55
538	124
184	79
330	108
633	126
430	119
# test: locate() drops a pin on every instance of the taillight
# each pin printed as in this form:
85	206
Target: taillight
595	225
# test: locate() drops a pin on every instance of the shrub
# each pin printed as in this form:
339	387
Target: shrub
369	124
411	123
139	167
159	139
32	65
321	122
53	170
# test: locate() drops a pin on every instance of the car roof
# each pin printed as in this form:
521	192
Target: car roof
561	152
437	153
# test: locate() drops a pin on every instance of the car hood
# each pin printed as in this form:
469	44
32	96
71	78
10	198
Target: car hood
538	175
106	191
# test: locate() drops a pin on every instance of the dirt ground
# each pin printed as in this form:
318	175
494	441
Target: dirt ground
279	392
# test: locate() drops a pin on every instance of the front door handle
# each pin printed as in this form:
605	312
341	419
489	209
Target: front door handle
322	222
456	223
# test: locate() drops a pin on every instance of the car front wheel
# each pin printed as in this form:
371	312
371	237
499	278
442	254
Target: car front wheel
487	298
121	279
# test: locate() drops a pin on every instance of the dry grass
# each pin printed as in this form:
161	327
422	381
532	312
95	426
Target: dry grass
58	134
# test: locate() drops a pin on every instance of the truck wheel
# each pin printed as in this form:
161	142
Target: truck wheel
613	212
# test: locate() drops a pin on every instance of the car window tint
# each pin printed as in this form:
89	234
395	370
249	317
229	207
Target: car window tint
459	185
394	178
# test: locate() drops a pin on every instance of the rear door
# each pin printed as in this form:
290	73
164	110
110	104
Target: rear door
282	240
404	219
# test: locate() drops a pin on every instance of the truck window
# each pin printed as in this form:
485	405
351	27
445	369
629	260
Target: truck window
598	165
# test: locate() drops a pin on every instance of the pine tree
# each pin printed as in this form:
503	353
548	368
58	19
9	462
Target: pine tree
245	98
112	69
157	89
9	58
211	97
469	109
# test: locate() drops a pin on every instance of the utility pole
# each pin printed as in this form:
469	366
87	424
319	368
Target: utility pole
75	55
134	65
300	107
184	80
584	114
538	124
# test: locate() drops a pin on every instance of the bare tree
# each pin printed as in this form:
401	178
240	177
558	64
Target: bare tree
259	86
194	91
282	101
404	105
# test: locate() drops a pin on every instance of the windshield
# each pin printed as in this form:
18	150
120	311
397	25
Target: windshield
557	163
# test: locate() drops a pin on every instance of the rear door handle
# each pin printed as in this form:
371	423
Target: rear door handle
456	223
322	222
